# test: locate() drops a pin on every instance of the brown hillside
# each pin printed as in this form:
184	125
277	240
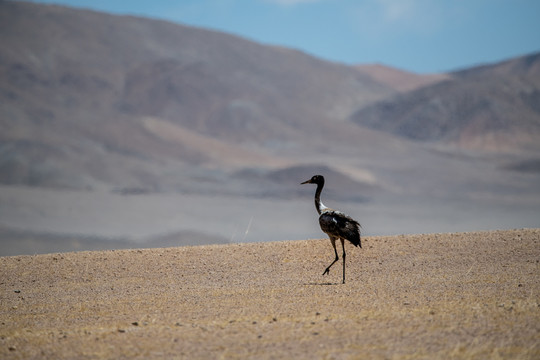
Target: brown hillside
77	86
491	108
400	80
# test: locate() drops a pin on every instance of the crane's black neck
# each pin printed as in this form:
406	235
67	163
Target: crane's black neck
318	204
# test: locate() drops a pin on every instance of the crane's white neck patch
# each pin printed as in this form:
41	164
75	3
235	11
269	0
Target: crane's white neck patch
322	207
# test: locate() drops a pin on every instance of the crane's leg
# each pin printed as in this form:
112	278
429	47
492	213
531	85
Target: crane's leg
333	240
344	255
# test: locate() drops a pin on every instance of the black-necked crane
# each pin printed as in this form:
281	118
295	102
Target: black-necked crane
335	224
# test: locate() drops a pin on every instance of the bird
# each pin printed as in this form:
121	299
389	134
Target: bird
335	224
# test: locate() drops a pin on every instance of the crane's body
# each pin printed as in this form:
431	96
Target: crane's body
335	224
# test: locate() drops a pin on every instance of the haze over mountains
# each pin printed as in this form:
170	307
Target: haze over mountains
112	106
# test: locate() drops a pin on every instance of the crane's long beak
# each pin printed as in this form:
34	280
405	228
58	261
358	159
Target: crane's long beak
306	182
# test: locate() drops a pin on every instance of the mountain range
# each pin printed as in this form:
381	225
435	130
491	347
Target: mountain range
84	84
490	108
93	102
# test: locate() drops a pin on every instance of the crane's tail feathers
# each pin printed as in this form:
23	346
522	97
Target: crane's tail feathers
358	241
354	237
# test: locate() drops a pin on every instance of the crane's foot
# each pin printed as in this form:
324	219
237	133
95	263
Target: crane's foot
327	271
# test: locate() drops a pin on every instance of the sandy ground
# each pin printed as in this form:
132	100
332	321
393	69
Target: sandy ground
437	296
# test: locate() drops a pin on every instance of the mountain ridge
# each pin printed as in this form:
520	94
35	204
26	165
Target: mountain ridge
492	108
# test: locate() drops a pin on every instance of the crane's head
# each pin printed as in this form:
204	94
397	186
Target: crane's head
316	179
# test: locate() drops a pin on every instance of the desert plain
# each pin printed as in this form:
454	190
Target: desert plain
472	295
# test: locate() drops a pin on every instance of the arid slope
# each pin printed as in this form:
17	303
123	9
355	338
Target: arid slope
463	295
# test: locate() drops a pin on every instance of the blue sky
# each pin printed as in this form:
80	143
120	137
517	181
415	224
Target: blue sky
422	36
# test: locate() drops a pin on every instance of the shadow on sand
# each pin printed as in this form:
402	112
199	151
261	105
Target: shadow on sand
322	284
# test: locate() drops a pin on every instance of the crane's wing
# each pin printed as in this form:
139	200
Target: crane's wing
337	224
